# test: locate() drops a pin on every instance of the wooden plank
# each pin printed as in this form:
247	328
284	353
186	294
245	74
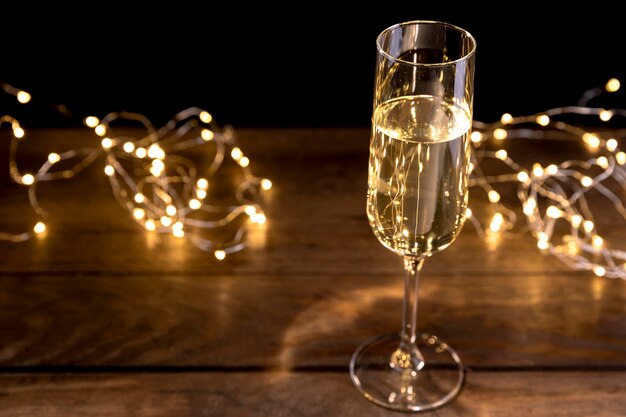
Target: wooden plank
494	394
305	320
316	220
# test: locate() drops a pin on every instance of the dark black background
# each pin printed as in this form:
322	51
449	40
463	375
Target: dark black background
303	65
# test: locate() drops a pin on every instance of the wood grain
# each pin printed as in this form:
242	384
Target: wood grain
97	293
502	394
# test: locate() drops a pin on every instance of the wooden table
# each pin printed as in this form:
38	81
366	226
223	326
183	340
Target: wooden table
100	318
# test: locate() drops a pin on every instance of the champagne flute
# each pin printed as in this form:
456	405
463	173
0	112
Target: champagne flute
417	198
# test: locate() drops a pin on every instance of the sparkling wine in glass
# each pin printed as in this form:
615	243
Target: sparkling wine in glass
417	198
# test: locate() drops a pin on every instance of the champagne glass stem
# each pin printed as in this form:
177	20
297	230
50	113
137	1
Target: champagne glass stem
408	358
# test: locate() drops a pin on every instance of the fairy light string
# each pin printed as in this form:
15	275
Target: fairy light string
553	198
152	178
167	197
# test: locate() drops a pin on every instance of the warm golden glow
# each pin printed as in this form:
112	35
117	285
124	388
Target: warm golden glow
543	120
494	196
468	213
597	241
109	170
220	254
620	157
100	130
599	270
244	161
170	210
207	134
18	132
602	162
506	119
139	198
91	121
250	210
203	183
194	204
553	212
612	85
611	144
266	184
201	194
53	158
537	170
206	117
236	154
150	225
129	147
28	179
39	228
522	176
500	134
605	115
586	181
501	154
23	97
588	226
106	143
139	213
166	221
576	220
476	137
552	169
591	140
141	153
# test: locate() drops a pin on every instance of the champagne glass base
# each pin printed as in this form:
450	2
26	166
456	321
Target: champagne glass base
434	385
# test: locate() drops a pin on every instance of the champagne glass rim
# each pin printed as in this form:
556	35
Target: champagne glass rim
425	22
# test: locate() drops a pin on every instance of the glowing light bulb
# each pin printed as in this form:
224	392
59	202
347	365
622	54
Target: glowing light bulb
166	221
205	117
53	158
588	226
611	144
500	134
591	140
194	204
537	170
553	212
139	213
605	115
109	170
506	119
250	210
100	130
543	244
170	210
599	270
476	137
23	97
129	147
501	154
157	167
207	135
91	121
602	162
597	241
260	219
139	198
471	167
236	154
203	183
529	206
542	236
576	220
620	157
28	179
201	194
18	132
150	225
178	233
141	153
552	169
543	120
468	213
522	176
496	222
612	85
155	152
177	226
494	196
586	181
39	228
106	143
267	184
219	255
244	161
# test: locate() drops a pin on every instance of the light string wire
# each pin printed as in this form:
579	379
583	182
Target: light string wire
161	189
554	198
